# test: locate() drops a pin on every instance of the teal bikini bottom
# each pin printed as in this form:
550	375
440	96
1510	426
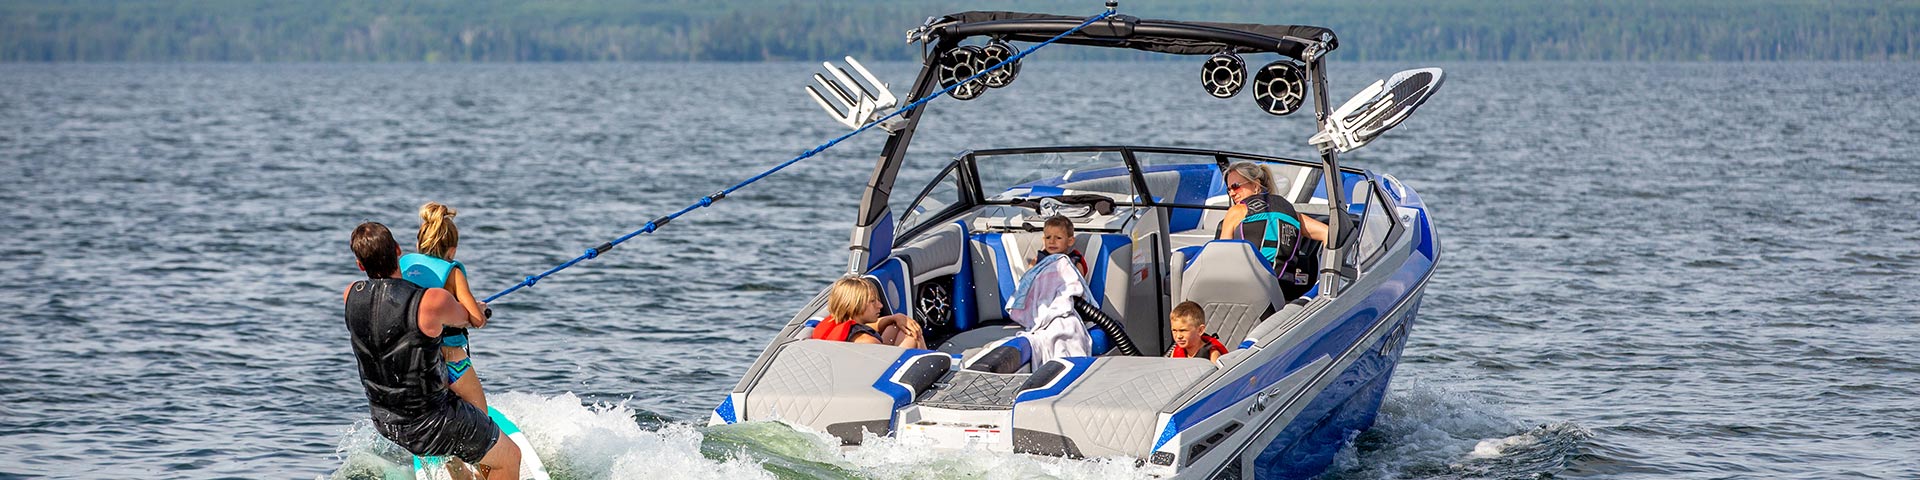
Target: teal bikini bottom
457	369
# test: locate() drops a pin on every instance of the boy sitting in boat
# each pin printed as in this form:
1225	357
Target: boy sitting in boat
853	315
1190	337
1057	239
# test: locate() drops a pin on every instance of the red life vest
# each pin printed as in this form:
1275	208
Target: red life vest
829	329
1212	344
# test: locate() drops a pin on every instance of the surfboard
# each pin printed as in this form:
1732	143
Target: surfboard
530	466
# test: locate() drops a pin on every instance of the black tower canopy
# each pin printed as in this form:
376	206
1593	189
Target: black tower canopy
1122	31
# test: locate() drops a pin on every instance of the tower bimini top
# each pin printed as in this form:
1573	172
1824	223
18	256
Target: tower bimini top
1124	31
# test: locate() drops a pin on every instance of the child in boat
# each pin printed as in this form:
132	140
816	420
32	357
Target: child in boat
1190	337
1057	238
434	267
853	315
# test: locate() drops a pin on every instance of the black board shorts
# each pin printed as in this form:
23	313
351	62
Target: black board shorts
461	430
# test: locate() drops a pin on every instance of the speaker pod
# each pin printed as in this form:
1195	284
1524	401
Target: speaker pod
995	52
1280	87
959	64
1223	75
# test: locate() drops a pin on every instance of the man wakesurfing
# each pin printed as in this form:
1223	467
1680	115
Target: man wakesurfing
395	326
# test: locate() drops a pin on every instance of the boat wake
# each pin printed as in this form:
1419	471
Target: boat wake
614	441
1427	431
575	440
1424	431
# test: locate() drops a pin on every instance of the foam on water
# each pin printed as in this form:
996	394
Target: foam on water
610	441
1425	429
575	440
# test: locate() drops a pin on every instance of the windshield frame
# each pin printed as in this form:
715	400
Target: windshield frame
966	165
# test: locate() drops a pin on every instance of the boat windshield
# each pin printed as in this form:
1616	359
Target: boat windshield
1011	176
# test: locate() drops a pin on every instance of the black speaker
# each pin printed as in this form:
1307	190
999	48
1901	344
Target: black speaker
999	51
1223	75
959	64
1280	87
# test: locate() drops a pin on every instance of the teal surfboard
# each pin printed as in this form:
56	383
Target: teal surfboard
530	466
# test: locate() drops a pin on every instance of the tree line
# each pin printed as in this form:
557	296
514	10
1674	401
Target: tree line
763	30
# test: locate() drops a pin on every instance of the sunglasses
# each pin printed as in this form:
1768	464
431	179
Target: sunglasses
1236	185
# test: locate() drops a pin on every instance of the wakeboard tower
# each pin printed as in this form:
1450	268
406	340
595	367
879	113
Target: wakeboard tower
1304	375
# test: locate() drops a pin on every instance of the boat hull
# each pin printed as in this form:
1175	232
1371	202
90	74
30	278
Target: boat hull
1349	405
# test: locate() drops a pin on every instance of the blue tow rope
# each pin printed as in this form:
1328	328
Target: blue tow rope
708	200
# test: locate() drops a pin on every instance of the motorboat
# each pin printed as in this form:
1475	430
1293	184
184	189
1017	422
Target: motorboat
1304	373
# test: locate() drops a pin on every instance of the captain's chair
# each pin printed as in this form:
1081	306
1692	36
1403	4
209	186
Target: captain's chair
1233	284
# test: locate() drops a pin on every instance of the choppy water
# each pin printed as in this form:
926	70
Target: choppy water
1667	270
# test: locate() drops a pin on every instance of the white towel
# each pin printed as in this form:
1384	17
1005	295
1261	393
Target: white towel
1043	305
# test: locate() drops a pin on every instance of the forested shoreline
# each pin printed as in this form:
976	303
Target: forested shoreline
760	30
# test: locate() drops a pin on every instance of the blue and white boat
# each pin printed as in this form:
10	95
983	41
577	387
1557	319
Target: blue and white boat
1304	375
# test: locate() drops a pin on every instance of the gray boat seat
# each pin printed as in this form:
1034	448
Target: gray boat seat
970	342
1000	259
1111	410
1234	286
842	388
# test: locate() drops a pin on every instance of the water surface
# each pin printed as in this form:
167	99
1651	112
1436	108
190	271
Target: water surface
1649	270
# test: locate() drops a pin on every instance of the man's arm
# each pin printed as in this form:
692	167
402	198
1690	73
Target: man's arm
438	309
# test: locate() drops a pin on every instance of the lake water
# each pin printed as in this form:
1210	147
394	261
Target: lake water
1649	270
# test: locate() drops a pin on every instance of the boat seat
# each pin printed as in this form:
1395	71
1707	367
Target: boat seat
1233	285
1000	259
970	342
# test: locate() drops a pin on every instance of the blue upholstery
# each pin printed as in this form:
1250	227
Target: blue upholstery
893	277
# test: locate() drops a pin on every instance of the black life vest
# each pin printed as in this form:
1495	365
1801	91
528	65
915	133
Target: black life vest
1079	260
401	368
1275	230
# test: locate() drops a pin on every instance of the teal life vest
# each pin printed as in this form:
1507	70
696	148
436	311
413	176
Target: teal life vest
427	270
431	272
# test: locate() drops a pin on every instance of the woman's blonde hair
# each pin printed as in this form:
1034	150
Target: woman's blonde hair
438	236
849	297
1255	172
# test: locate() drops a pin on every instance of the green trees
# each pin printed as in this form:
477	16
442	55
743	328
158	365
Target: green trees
755	30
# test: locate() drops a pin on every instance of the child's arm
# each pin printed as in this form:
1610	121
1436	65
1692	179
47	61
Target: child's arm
476	314
1215	356
907	326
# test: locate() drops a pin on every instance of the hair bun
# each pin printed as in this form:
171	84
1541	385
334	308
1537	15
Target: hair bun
436	211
